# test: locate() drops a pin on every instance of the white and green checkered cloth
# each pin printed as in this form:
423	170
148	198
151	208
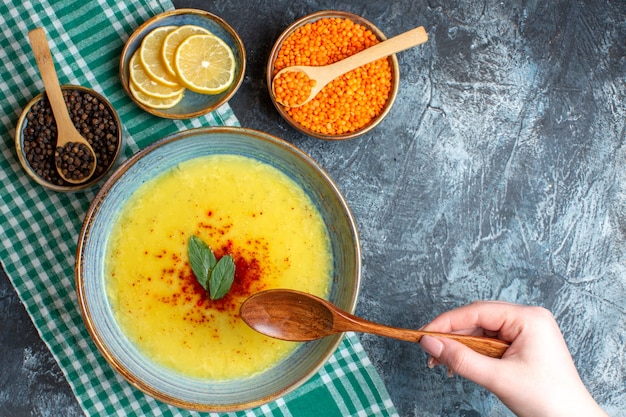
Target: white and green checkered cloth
39	228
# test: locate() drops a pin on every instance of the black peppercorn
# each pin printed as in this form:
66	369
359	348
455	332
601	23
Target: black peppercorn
75	160
93	118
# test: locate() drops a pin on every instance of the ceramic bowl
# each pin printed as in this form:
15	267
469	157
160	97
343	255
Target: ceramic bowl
48	182
270	72
166	385
193	104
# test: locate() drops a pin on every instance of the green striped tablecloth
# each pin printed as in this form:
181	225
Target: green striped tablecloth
39	227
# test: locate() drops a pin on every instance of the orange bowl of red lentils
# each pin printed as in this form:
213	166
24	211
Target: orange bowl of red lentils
352	104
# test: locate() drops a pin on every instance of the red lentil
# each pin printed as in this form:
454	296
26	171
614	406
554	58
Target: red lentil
349	102
292	87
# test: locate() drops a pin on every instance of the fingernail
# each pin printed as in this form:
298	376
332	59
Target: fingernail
431	362
432	345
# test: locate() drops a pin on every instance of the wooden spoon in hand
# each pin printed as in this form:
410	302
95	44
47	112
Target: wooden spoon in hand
298	316
326	73
66	132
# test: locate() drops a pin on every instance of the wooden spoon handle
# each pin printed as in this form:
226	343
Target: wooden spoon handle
43	57
391	46
488	346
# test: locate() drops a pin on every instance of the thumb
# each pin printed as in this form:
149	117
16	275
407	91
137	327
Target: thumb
460	359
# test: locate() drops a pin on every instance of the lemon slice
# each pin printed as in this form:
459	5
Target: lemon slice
153	102
173	40
205	64
150	56
147	85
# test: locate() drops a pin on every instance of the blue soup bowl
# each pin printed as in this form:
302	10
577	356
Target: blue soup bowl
165	384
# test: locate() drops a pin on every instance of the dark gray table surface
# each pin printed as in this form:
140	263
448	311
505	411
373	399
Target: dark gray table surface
498	174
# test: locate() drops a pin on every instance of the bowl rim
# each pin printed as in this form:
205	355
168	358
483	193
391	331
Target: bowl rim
85	311
312	17
19	139
125	79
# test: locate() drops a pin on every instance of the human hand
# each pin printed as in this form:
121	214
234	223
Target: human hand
536	376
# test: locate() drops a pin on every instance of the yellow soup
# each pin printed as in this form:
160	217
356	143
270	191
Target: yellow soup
238	206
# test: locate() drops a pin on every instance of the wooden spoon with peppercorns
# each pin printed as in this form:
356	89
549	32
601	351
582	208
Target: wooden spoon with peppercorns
74	157
318	77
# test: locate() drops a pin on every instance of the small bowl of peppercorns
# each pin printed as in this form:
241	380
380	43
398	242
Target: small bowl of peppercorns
36	136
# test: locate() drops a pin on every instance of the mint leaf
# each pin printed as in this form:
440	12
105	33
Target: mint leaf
222	277
202	260
215	277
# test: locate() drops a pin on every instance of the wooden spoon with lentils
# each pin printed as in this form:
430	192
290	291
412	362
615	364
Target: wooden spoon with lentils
74	158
